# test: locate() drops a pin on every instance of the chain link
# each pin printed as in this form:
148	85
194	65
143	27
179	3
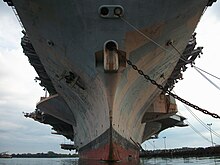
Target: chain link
169	92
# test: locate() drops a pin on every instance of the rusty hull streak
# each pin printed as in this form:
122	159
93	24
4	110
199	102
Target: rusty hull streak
135	40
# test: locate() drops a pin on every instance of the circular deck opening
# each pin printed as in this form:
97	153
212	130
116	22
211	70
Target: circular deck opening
118	11
104	11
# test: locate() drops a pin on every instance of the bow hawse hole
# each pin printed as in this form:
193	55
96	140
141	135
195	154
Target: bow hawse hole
111	46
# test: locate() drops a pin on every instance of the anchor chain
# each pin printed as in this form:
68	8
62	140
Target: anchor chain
169	92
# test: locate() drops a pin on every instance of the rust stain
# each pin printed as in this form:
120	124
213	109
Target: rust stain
134	39
193	21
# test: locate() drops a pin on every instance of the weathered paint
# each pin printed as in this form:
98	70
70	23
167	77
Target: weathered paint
110	146
119	100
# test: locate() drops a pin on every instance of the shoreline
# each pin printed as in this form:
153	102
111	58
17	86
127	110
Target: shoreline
168	153
49	154
182	152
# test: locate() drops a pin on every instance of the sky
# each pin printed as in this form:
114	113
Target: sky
20	93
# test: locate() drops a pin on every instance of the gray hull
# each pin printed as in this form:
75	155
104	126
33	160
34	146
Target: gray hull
83	47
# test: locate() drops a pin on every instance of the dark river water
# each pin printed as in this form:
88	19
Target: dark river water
143	161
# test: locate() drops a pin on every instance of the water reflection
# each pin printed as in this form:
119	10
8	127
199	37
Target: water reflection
143	161
69	161
93	162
